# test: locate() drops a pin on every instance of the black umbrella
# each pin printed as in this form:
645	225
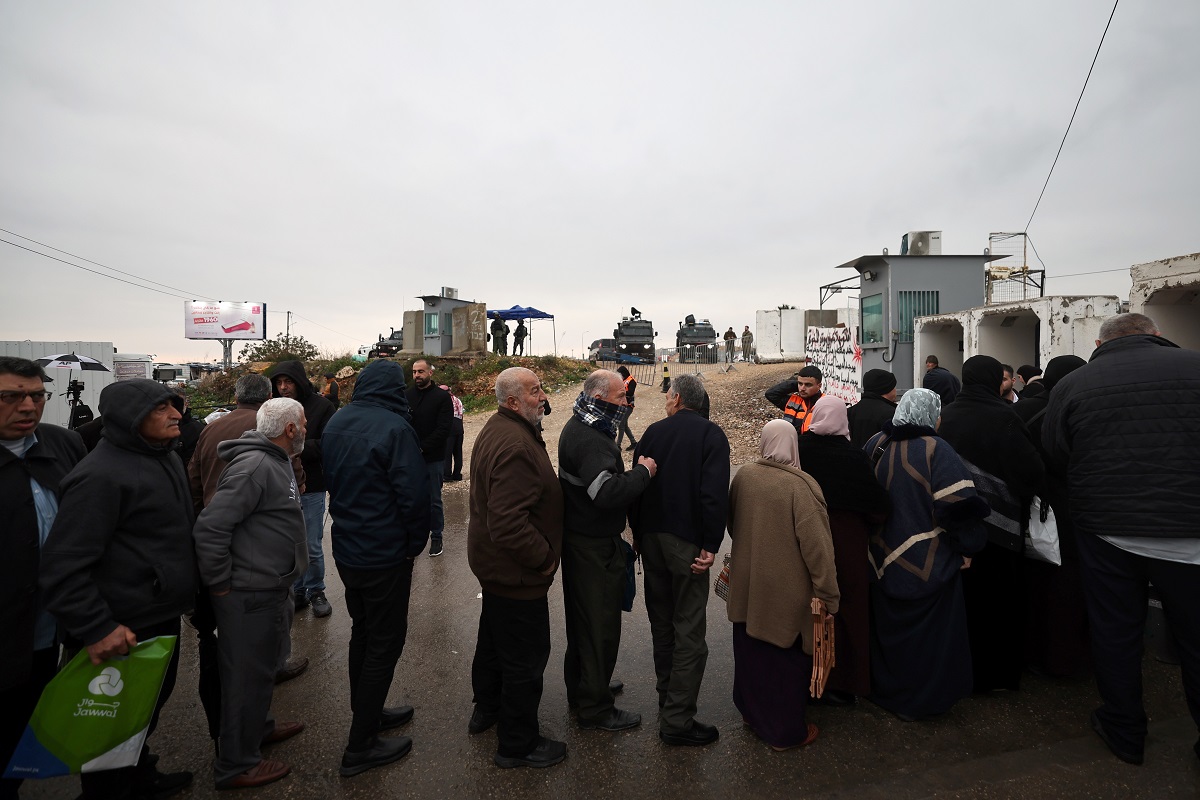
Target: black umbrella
72	361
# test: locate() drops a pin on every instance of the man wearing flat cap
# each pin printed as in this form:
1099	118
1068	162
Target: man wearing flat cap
877	406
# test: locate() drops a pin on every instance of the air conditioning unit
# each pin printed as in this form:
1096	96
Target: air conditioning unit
450	292
921	243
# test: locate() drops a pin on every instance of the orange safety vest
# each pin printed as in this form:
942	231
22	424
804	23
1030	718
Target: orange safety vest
628	381
801	415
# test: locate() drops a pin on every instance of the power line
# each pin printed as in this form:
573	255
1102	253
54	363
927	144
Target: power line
97	263
101	274
331	330
1077	102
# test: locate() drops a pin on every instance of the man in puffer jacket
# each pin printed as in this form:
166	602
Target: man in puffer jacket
1125	428
118	566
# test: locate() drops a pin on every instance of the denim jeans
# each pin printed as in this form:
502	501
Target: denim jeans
313	579
437	520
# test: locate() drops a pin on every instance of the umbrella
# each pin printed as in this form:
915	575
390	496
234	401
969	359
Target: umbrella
72	361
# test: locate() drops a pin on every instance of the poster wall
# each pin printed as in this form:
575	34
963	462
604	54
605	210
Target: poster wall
224	319
836	353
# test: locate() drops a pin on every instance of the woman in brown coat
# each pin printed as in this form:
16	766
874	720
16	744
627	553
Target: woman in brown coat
782	557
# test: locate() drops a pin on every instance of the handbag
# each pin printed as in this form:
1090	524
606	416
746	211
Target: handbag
721	585
1041	537
824	652
94	717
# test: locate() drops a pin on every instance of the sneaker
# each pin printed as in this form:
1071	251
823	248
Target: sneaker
435	549
384	750
160	785
292	669
616	720
301	600
547	753
698	735
481	721
320	604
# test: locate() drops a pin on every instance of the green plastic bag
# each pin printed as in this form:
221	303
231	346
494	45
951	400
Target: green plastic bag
93	717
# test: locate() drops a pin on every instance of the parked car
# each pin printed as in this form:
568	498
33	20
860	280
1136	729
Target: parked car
603	350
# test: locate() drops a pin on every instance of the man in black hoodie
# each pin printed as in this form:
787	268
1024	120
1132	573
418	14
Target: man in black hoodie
432	418
119	567
289	380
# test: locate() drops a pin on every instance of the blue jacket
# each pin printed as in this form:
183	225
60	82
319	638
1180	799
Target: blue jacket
377	480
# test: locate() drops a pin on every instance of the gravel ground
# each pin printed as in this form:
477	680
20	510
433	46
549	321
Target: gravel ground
736	404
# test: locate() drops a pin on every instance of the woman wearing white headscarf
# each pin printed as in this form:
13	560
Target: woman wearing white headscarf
782	557
920	654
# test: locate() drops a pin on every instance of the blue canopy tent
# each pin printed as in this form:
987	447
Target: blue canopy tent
529	313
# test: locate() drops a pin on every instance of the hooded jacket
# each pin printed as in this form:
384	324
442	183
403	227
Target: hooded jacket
867	417
120	551
1125	429
317	413
250	535
944	382
54	454
377	479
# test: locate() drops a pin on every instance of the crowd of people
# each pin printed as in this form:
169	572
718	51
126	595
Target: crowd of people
903	518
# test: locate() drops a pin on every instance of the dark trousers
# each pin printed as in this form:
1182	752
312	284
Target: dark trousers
453	464
377	600
624	431
593	579
510	659
16	707
676	599
250	625
1115	584
120	783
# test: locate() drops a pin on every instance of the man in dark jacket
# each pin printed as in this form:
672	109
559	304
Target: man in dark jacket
519	338
1126	431
514	542
379	501
597	492
678	525
941	380
432	418
250	546
34	460
796	396
119	567
289	380
877	406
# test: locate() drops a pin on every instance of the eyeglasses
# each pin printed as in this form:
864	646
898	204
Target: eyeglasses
13	398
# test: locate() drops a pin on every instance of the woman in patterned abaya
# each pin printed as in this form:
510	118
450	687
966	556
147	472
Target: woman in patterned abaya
920	654
857	505
782	557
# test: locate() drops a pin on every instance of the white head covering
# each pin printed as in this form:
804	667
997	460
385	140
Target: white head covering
918	407
829	417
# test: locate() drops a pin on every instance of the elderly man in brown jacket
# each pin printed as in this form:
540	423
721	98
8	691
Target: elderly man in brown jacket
514	541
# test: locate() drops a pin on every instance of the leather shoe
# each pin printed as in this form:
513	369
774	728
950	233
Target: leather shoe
615	686
1124	755
159	785
481	721
384	750
616	720
696	736
547	753
266	771
395	717
283	730
292	669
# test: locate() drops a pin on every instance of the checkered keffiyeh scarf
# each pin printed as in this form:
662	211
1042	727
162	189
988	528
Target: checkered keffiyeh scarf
599	414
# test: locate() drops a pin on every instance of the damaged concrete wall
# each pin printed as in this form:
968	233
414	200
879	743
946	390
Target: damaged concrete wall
1168	291
470	328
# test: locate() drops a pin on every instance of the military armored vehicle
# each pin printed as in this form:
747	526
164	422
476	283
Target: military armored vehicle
696	342
634	339
387	347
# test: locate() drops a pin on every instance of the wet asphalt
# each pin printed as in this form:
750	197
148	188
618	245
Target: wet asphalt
1033	743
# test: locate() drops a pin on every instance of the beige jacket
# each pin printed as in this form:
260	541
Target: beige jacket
782	553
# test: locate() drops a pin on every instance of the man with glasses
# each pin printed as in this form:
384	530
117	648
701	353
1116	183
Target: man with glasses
33	461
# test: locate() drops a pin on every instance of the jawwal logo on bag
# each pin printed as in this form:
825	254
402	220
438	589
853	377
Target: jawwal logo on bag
80	725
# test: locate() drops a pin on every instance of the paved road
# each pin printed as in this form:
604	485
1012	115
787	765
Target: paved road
1033	743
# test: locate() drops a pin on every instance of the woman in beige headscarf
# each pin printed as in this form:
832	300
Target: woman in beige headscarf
782	557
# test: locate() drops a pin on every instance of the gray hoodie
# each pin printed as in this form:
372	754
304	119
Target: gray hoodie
251	535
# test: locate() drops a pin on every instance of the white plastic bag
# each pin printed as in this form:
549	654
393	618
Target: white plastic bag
1041	540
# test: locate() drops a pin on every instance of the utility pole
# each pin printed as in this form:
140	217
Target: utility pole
288	334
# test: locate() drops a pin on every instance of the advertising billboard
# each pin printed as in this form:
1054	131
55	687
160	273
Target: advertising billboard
224	319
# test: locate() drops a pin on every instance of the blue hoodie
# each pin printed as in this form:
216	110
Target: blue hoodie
377	480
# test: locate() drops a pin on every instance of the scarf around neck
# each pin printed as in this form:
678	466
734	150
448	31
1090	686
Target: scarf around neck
599	414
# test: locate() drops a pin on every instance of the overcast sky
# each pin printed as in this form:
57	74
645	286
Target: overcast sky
685	157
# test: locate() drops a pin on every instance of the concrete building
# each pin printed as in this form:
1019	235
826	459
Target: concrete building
896	290
1021	332
1168	291
446	325
779	333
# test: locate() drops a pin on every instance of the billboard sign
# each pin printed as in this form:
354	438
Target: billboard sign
223	319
